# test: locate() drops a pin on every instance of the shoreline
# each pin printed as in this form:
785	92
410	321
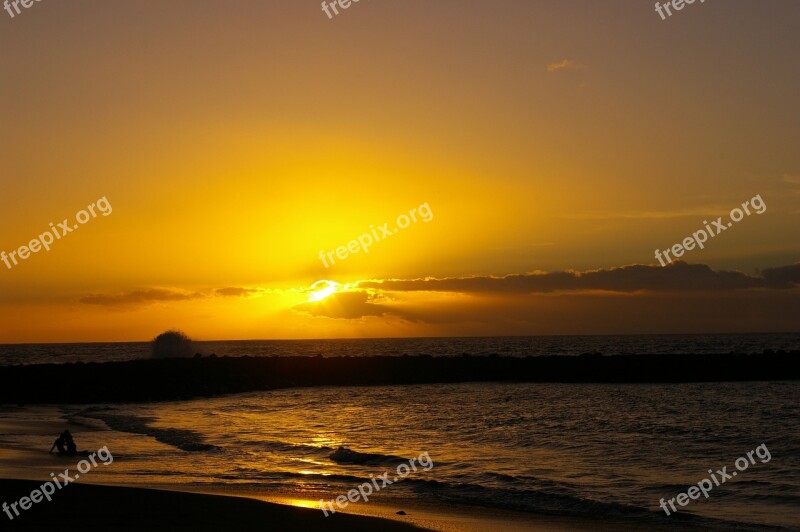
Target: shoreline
25	459
94	506
98	506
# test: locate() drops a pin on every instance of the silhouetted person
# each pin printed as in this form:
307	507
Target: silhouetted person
65	444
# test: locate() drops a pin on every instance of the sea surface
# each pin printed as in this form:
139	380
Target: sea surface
506	346
590	450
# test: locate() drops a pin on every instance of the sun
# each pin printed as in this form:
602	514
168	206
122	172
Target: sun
322	289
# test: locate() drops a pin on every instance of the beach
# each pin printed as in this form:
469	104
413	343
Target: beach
88	507
95	507
85	506
537	464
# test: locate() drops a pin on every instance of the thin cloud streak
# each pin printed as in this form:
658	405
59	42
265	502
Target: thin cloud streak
676	277
649	215
139	297
564	64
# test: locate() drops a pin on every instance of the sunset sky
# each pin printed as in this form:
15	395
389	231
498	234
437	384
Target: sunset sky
235	141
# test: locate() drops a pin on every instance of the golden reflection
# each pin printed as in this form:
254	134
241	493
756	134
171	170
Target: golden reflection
302	503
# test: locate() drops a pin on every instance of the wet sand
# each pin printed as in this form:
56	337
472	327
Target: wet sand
89	507
94	507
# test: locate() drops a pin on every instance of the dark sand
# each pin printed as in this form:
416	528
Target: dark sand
112	508
87	507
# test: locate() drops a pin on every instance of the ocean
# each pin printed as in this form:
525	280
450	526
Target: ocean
594	450
503	345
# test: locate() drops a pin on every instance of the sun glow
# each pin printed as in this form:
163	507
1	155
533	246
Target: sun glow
322	289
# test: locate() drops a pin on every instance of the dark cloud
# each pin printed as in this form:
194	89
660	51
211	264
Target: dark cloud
675	277
612	313
154	295
139	297
782	277
346	305
237	291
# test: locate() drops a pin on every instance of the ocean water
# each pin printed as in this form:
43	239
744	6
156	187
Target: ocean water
575	449
507	346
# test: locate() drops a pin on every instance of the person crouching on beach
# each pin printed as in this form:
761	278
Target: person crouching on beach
66	445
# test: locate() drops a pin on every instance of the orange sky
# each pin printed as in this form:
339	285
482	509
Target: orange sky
236	141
